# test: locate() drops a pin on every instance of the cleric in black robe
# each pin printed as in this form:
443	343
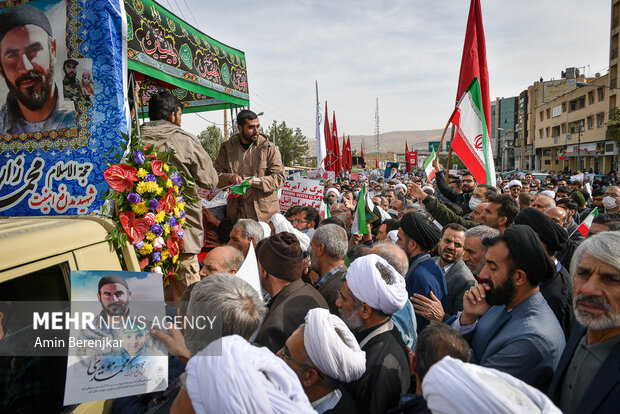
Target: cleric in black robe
371	293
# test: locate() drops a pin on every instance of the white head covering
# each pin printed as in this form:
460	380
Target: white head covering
266	228
333	190
452	385
332	347
548	193
366	284
393	235
232	376
428	187
402	186
280	223
513	183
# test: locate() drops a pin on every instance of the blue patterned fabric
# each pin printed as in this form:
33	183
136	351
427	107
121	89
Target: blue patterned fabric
61	171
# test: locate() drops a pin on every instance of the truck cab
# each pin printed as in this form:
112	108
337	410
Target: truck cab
38	254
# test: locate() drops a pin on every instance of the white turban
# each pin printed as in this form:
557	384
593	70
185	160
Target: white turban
393	235
266	229
332	347
367	285
333	190
402	186
429	188
548	193
280	223
232	376
514	183
452	385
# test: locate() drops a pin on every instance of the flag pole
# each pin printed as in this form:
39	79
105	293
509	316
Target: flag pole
443	136
449	162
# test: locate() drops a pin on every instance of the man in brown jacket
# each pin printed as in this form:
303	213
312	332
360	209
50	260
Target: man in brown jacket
165	133
280	264
249	154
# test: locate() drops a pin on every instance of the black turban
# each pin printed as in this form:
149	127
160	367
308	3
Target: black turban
421	230
22	15
529	253
550	233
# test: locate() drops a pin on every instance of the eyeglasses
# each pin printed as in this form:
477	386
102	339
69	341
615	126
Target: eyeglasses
285	354
297	221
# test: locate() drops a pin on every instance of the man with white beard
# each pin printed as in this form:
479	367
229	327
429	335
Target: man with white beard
587	378
372	291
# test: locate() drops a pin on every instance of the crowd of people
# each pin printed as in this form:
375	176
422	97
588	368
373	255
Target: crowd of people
457	297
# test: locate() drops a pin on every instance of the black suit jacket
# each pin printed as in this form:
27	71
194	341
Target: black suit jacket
603	394
287	311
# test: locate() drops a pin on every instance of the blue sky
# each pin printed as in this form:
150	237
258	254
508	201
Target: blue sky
406	53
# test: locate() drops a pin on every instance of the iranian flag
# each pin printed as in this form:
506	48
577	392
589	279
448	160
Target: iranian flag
428	165
471	140
584	227
239	189
359	219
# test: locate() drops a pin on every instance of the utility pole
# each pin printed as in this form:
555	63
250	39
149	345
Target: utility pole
377	127
225	125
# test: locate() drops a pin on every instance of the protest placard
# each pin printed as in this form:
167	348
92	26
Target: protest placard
301	191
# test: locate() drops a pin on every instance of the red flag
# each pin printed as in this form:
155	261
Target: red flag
349	154
363	159
329	159
338	162
407	160
376	163
474	60
345	156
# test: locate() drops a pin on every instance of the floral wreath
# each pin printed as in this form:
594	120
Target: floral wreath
151	207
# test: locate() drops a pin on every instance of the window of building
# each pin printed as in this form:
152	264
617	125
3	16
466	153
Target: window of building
547	131
542	114
556	131
600	120
601	94
540	133
563	128
590	122
590	97
563	106
548	113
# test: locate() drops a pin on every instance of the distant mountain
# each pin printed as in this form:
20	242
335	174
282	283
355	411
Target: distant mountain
389	141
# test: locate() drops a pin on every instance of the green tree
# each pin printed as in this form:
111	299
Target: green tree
293	145
211	140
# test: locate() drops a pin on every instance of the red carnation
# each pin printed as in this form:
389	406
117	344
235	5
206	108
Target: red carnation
120	177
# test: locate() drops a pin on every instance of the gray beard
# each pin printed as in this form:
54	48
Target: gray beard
353	321
597	322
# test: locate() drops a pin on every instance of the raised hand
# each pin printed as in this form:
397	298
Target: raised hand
428	308
474	304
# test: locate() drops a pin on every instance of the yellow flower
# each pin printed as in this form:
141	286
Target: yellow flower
146	249
169	183
175	258
141	187
164	254
142	173
176	189
167	229
150	236
151	186
140	208
181	206
165	167
176	212
182	221
159	190
160	216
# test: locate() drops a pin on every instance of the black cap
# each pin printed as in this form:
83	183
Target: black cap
22	15
529	253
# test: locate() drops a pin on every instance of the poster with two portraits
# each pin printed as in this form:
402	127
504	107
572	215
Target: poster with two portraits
62	103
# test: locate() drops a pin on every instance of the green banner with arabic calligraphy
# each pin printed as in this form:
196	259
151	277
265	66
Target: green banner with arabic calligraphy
164	47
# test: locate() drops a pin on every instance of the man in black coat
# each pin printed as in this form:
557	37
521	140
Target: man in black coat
587	379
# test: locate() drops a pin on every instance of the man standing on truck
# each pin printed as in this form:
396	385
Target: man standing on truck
248	154
165	133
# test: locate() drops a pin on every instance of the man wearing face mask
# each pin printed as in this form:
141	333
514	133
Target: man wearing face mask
611	201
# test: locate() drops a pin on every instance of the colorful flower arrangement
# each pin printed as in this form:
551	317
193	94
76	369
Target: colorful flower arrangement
150	196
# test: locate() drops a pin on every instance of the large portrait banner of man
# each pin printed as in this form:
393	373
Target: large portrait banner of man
61	103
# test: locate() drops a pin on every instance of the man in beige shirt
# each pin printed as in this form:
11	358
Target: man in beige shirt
250	155
164	131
